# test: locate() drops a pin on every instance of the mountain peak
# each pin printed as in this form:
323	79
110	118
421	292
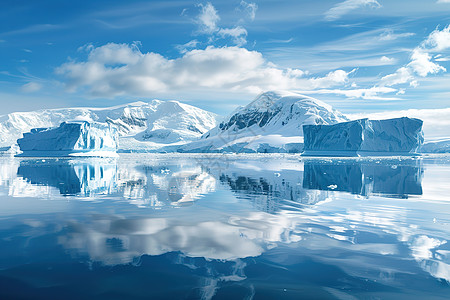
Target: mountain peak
278	109
274	120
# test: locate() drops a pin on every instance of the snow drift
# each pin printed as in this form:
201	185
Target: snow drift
70	139
401	136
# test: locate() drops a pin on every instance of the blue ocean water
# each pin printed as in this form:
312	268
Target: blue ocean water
148	226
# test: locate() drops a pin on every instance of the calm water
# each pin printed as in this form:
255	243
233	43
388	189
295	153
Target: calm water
224	227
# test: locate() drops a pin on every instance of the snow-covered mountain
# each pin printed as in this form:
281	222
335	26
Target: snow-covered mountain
271	123
141	125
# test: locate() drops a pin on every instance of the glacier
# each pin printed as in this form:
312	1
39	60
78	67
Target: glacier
74	138
400	136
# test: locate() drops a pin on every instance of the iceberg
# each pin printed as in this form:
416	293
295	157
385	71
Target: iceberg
364	137
74	138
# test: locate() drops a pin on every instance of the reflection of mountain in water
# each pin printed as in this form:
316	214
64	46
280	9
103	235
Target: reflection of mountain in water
72	177
267	190
365	178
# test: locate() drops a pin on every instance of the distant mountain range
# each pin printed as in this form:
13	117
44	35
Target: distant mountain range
141	125
271	123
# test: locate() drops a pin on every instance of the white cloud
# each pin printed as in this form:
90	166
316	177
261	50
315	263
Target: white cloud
389	35
118	69
31	87
238	34
443	1
207	21
295	72
372	93
421	64
438	40
387	60
332	78
189	45
402	75
208	18
250	8
421	61
345	7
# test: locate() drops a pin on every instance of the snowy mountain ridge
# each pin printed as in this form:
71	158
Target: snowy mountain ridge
271	123
140	124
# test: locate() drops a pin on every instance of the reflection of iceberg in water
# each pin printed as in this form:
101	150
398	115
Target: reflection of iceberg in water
365	178
224	238
70	177
141	185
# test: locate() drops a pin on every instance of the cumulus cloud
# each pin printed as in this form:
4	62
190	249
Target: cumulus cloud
31	87
332	78
248	7
443	1
118	69
345	7
438	40
422	62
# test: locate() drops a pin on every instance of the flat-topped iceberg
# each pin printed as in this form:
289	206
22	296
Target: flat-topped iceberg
74	138
400	136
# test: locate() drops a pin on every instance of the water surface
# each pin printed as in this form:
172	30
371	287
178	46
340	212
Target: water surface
224	227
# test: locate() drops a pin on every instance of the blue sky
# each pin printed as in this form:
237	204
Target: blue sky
358	55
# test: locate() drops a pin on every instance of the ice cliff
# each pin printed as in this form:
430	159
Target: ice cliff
80	138
401	136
